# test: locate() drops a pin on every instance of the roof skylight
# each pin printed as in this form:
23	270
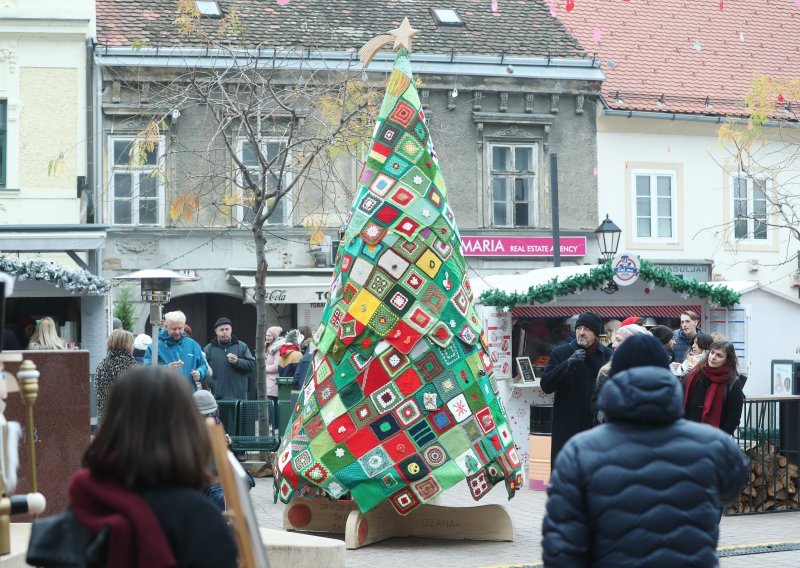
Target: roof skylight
446	17
208	8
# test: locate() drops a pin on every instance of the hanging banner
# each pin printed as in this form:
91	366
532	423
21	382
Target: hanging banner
497	324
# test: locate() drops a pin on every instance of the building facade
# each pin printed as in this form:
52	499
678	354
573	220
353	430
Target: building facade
668	176
46	141
500	101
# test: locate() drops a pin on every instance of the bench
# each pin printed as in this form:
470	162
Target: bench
248	423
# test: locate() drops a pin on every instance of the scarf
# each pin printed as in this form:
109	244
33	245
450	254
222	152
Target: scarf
137	539
715	393
592	348
286	348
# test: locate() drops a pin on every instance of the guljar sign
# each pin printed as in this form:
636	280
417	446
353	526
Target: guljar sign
625	267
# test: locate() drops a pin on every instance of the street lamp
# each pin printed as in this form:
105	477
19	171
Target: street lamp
608	238
156	288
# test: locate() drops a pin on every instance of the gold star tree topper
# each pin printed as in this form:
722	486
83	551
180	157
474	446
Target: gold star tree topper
401	37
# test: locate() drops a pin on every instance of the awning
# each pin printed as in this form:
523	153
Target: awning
619	312
294	288
52	238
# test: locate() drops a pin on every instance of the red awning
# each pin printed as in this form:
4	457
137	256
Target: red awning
619	312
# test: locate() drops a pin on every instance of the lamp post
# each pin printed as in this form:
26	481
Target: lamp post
156	289
608	238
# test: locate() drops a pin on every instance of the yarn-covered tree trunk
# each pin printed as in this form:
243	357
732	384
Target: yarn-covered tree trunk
401	403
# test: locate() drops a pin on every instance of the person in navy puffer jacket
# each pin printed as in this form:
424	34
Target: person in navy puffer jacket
647	487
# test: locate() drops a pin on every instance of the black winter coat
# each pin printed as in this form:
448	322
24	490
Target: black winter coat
645	488
574	387
229	382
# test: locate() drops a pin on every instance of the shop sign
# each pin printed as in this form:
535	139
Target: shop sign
295	295
699	272
625	267
520	246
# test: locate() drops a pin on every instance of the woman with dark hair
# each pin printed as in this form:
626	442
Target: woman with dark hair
698	350
712	390
144	473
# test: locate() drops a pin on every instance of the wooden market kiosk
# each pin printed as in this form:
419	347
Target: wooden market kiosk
525	315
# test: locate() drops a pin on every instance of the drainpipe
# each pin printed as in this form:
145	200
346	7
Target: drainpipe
98	141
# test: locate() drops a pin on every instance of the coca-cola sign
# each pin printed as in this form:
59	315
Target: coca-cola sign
276	296
289	295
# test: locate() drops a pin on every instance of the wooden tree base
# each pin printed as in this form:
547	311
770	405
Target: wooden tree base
483	522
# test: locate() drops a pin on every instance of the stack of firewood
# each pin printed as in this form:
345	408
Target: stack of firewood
772	485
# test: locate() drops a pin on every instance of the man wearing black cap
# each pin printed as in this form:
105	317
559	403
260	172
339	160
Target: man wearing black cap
570	374
231	361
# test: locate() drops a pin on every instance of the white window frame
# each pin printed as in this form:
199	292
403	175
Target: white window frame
751	223
653	174
136	172
533	174
286	200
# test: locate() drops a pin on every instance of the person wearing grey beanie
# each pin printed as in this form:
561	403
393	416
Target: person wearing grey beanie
622	335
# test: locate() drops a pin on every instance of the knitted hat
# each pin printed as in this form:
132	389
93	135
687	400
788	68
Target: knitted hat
589	320
275	330
627	331
222	321
295	337
142	341
205	402
630	320
662	333
639	350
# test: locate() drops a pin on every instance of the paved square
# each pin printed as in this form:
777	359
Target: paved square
527	510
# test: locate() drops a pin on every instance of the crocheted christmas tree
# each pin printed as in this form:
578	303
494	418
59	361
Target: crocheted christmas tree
401	403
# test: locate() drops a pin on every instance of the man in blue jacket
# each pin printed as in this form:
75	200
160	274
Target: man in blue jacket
647	487
179	351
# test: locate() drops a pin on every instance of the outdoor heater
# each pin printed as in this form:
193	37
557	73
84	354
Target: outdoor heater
156	287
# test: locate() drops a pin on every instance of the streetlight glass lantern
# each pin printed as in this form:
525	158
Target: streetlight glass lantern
608	235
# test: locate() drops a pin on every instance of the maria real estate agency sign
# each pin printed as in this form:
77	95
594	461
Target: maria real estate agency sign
520	246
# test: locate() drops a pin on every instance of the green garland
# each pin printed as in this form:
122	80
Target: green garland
597	277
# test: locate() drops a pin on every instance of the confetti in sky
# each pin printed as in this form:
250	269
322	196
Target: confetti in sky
570	5
596	35
494	6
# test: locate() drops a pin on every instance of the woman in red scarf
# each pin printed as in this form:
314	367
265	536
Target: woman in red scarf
713	392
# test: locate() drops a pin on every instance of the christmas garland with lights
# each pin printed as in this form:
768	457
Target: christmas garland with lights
598	278
75	280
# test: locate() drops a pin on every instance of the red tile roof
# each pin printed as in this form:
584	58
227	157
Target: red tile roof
687	50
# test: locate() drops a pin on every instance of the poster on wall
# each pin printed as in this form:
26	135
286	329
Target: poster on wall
497	324
782	377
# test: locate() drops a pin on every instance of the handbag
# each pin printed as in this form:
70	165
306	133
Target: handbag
61	541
